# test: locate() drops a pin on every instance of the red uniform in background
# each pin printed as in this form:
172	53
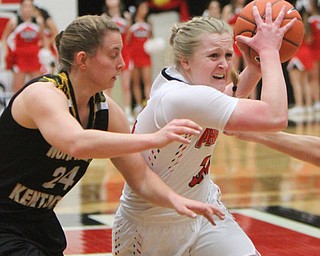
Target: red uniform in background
23	47
232	21
180	5
314	22
139	34
123	25
303	59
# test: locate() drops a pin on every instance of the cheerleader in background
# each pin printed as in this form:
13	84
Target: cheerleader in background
299	70
139	33
230	13
115	10
48	56
314	21
22	38
213	10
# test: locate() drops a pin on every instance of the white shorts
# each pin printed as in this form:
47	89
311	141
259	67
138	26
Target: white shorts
196	237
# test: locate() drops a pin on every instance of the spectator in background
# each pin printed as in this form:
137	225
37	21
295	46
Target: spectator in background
299	70
180	6
115	10
230	13
139	33
213	10
22	38
314	21
48	56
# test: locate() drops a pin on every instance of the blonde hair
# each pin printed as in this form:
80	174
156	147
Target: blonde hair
186	36
86	33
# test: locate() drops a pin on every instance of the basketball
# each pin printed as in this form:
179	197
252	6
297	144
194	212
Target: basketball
245	25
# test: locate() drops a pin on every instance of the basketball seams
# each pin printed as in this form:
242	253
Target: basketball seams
272	4
291	42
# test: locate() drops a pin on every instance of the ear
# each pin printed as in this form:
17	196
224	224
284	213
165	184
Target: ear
184	62
81	58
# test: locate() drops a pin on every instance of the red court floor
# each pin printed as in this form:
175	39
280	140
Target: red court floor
270	239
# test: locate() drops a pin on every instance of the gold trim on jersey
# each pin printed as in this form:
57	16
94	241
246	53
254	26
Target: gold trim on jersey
62	83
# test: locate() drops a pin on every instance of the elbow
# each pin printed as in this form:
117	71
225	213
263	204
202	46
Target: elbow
279	123
316	160
76	149
283	123
316	155
75	152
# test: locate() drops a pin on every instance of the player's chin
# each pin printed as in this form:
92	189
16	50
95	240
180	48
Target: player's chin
109	85
219	84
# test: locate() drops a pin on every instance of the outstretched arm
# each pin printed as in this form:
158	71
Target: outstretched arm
302	147
69	136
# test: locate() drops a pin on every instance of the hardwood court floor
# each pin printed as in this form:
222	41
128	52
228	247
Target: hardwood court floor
275	198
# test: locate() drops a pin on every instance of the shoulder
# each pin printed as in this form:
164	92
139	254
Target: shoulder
13	22
41	92
37	99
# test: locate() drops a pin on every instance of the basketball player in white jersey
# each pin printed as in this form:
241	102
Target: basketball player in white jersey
196	87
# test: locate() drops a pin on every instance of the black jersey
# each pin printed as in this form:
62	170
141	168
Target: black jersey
34	176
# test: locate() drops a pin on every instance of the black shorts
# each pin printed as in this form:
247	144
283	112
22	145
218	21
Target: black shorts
34	238
12	245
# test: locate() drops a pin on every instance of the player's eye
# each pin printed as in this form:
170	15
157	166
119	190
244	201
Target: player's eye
114	55
229	55
214	55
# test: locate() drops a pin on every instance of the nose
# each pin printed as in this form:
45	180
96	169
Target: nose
223	64
121	65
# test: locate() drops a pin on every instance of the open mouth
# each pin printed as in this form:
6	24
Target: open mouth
219	77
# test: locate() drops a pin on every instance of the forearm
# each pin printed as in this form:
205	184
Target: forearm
248	80
274	90
99	144
153	189
303	147
143	181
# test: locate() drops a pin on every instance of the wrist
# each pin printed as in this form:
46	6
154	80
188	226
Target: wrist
254	70
269	54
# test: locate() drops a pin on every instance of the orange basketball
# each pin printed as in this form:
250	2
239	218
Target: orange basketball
246	26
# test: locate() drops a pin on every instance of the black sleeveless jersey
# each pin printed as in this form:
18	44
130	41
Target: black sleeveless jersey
34	176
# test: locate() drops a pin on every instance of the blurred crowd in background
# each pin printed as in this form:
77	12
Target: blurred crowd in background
28	49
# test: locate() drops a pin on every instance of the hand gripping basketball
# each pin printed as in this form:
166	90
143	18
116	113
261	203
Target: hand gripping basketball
293	37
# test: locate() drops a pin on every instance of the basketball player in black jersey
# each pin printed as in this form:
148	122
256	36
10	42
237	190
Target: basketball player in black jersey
56	124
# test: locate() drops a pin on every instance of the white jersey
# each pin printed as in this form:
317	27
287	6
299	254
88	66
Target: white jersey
185	168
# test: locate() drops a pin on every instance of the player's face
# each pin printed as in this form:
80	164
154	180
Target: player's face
212	61
106	65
